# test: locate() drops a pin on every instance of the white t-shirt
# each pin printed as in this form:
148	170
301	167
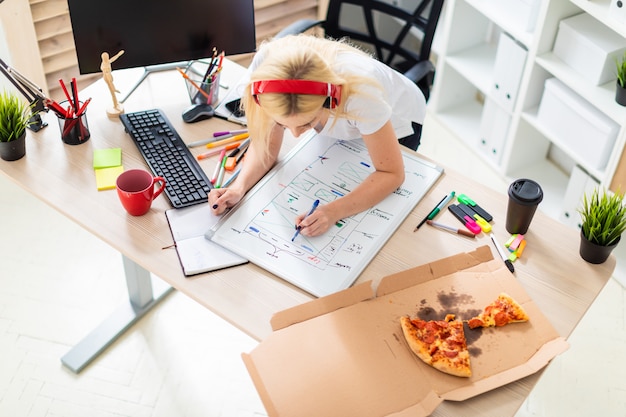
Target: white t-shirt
400	100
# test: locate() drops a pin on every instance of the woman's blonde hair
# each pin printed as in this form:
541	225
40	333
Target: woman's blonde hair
297	57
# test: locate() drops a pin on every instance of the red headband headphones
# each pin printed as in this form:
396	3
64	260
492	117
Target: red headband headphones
332	91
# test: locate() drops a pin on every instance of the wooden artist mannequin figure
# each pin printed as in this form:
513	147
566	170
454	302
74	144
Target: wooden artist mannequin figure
105	67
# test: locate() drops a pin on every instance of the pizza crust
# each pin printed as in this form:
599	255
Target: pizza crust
410	334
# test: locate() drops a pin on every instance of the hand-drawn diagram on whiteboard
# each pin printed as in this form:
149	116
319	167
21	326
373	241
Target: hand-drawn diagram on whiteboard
261	227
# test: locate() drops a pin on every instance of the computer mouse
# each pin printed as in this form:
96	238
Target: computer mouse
198	112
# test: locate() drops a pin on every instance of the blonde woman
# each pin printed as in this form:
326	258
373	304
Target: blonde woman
304	82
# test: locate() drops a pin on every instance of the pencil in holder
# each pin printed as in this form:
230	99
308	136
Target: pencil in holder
202	88
73	126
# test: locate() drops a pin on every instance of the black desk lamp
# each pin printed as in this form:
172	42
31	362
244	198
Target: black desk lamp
33	94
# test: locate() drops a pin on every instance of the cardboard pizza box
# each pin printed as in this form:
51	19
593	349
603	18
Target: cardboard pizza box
345	354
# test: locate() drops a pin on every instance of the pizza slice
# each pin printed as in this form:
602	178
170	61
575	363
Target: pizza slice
439	343
502	311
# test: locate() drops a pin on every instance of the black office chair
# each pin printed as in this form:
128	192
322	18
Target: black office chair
387	31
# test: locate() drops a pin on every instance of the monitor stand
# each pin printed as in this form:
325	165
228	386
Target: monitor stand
154	68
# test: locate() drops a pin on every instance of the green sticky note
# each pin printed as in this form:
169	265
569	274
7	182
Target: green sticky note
106	158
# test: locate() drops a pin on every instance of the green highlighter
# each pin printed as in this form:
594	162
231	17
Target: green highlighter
478	209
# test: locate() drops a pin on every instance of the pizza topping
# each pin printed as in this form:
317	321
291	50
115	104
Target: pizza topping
438	343
502	311
475	322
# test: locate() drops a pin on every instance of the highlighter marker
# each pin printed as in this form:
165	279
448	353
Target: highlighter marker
220	176
230	163
218	166
467	221
482	223
478	209
503	255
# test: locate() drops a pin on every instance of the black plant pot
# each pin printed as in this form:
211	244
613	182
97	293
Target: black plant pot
13	150
620	94
593	253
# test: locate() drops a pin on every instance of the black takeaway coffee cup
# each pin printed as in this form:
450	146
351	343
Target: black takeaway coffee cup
524	197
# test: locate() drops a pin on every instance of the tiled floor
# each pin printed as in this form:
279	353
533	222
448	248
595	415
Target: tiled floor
57	282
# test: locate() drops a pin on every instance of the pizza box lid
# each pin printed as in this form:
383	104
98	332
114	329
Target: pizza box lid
345	354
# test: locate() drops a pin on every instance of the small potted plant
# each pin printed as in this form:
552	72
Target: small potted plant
15	117
603	222
620	88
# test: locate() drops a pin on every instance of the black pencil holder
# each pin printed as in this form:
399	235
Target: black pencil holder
201	90
74	129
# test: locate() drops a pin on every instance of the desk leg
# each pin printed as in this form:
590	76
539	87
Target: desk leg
141	299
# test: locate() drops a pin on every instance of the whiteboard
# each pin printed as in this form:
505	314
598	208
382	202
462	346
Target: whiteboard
261	226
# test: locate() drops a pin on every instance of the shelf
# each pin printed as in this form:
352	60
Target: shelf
464	123
463	119
476	65
502	14
600	10
531	117
602	97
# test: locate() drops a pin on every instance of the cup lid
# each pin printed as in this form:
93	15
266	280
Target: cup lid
526	191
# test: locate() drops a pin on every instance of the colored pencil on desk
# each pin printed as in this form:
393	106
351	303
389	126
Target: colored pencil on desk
229	140
201	142
228	147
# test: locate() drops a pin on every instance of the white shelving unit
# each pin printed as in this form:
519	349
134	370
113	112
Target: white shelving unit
469	34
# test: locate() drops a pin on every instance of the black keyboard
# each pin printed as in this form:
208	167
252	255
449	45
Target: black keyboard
168	157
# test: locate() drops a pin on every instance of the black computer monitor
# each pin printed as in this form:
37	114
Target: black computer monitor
156	32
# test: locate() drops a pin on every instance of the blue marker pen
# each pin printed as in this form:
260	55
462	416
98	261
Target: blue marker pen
315	204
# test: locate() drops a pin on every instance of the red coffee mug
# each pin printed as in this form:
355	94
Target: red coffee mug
135	189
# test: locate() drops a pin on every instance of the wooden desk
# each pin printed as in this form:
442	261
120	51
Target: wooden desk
559	282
